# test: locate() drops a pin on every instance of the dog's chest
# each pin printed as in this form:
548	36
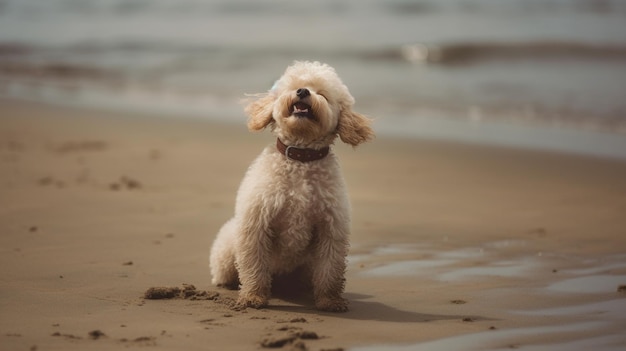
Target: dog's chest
306	201
303	198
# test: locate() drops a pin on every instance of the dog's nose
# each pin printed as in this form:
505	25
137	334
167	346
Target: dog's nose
303	92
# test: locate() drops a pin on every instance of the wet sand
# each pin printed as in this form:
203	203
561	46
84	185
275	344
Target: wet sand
453	245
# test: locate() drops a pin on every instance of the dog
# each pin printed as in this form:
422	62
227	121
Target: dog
292	211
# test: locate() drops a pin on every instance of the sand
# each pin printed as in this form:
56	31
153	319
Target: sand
454	246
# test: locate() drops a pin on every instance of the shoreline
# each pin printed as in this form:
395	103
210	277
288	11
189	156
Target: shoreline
448	240
435	126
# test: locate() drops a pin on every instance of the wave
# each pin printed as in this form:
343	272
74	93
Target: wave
54	70
460	53
15	57
149	71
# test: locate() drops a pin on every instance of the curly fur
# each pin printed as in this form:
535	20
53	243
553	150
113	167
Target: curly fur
291	215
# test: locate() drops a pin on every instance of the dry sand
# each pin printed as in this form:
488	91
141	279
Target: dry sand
453	247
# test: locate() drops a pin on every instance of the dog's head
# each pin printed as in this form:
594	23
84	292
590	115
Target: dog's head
309	106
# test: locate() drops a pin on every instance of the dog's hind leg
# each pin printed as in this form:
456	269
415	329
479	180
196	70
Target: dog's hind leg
222	260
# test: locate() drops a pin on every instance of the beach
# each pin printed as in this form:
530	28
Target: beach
453	246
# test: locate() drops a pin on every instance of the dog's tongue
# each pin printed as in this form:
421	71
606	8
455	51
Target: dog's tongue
300	106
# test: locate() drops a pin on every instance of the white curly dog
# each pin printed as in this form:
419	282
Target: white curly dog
292	211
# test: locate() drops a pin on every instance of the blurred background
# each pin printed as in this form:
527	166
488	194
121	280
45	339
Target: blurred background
465	69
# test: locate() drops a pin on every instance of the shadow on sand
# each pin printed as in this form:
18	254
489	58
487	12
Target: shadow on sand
360	309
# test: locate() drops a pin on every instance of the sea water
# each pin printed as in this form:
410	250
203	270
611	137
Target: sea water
431	68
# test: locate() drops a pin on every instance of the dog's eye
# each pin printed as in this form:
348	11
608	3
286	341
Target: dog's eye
322	94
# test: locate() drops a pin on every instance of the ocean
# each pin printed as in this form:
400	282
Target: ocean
475	70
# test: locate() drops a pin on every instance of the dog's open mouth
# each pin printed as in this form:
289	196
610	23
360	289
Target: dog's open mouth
300	109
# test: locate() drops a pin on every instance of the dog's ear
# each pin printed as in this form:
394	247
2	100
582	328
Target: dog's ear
260	112
354	128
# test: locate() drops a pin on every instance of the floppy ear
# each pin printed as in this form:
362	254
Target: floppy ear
260	112
354	128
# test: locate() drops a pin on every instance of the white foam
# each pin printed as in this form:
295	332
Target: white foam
500	269
589	284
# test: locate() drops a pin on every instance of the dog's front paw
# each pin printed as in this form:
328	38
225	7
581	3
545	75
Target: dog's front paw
254	301
336	304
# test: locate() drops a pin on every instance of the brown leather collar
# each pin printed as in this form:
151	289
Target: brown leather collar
300	154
